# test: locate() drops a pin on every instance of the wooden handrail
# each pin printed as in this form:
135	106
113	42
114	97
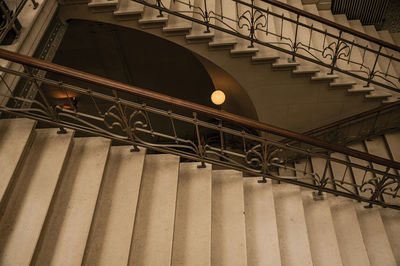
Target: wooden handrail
119	86
353	117
332	24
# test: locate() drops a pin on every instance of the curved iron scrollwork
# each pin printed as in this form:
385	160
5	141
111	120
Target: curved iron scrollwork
251	21
116	115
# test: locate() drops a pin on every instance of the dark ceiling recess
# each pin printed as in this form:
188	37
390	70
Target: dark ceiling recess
136	58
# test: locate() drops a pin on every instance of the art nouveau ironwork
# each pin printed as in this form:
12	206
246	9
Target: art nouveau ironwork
301	35
107	108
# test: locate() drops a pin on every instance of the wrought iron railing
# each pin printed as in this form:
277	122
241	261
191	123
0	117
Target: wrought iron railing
73	99
292	31
9	24
365	125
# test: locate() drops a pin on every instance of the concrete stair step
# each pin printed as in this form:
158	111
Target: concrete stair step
292	229
128	8
192	233
200	36
112	228
321	230
261	234
338	83
396	37
103	5
259	59
222	43
358	88
281	64
67	227
152	16
390	219
228	244
244	51
378	94
29	203
348	233
199	31
154	226
15	139
177	24
324	76
375	237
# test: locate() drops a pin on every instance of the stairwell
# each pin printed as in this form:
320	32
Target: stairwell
69	200
271	73
82	201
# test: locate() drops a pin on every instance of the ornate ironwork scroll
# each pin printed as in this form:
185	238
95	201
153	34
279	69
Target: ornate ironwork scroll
298	34
113	113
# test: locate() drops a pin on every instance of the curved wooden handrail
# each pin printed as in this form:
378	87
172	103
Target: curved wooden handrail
332	24
119	86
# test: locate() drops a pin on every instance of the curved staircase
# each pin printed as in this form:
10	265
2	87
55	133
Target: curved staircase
81	201
310	86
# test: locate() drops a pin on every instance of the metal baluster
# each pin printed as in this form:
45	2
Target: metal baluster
35	4
372	73
221	136
8	87
199	141
309	41
206	18
90	92
173	126
159	4
282	26
295	39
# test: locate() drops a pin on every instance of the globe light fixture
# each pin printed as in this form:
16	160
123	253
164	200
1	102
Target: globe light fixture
218	97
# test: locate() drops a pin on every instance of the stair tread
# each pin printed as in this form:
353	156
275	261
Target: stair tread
68	224
348	233
292	230
15	135
228	219
375	237
127	7
192	234
396	37
321	230
391	220
154	225
261	234
29	203
111	233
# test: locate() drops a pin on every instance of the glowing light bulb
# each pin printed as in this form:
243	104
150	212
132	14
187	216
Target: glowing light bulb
218	97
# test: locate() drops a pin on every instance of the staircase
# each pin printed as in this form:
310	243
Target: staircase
81	201
271	73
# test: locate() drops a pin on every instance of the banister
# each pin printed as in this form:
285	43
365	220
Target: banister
119	86
353	117
329	23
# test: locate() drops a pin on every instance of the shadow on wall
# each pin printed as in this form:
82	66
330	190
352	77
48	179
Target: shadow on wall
237	100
